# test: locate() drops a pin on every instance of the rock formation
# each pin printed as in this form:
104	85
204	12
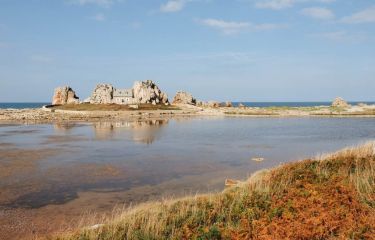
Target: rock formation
142	92
228	104
149	92
64	95
240	105
184	98
199	103
340	102
103	94
213	104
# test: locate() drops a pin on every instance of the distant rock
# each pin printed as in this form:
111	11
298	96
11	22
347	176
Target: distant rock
149	92
228	104
362	105
240	105
213	104
64	95
340	102
184	98
103	94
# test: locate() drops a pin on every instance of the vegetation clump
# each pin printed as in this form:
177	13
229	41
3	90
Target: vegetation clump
331	197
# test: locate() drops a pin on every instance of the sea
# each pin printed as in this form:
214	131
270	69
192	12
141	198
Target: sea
21	105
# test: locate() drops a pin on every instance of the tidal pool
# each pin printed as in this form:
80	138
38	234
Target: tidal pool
52	163
64	169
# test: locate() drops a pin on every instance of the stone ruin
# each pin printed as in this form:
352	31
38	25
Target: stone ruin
64	95
142	92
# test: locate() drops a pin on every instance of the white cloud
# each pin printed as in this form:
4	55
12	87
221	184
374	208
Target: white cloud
342	36
365	16
282	4
100	17
41	59
318	13
231	27
173	6
100	3
275	4
225	26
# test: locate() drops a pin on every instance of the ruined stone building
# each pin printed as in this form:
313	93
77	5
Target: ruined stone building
123	96
141	93
144	92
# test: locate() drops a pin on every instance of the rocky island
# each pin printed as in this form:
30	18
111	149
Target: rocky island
145	100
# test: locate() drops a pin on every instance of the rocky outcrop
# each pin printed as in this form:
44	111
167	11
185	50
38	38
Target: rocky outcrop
149	92
103	94
228	104
213	104
184	98
340	102
142	92
64	95
240	105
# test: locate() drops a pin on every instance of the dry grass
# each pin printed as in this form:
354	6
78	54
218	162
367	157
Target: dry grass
330	197
112	107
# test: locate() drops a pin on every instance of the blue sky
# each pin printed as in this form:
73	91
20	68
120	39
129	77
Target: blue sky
239	50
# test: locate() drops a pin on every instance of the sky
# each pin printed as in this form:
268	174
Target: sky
237	50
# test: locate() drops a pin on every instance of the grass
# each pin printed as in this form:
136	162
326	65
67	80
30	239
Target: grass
330	197
112	107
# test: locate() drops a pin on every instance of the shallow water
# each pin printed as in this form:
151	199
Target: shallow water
49	164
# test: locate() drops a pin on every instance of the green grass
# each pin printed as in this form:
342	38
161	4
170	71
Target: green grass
331	197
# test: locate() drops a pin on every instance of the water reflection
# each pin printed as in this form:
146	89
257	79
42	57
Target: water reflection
64	127
44	164
141	131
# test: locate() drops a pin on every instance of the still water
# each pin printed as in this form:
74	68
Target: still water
131	162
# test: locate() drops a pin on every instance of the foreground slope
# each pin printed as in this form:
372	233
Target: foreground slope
332	197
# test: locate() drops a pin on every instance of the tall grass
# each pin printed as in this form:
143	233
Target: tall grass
329	197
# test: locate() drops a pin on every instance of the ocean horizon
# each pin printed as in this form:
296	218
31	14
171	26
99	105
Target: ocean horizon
23	105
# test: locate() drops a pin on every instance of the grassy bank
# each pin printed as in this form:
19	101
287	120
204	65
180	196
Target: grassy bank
332	197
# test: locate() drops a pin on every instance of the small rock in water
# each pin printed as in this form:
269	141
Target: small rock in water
258	159
228	104
240	105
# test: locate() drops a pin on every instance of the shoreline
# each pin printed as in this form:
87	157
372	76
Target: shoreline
48	115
